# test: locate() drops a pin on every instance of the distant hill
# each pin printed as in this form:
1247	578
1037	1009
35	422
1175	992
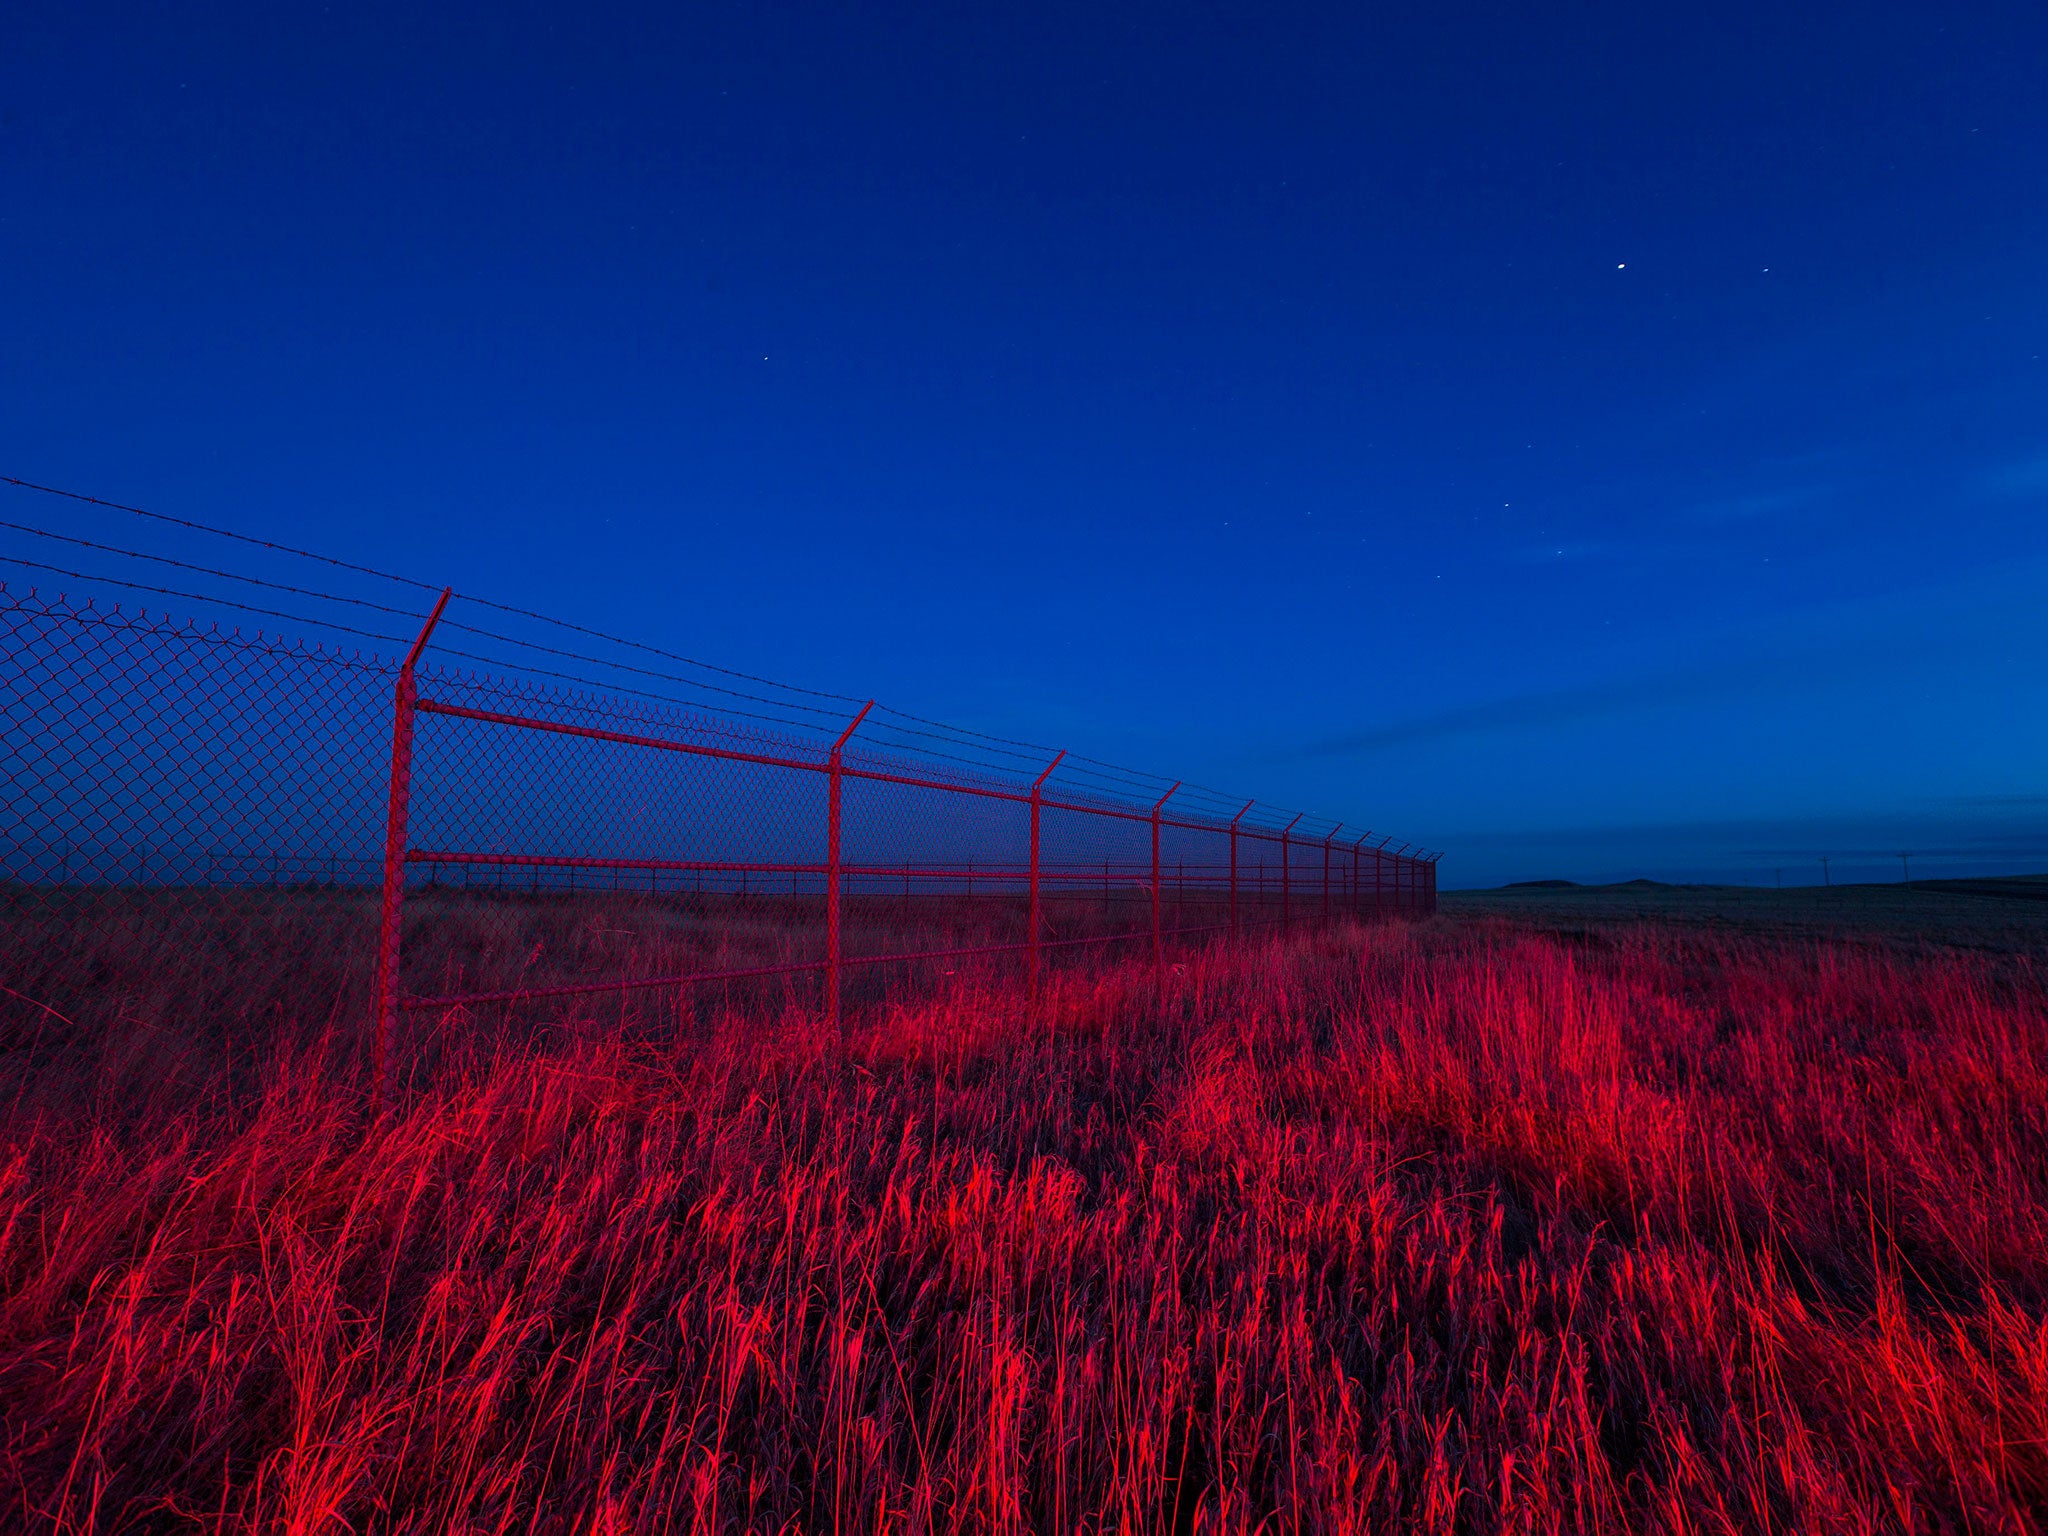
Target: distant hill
1637	884
2008	887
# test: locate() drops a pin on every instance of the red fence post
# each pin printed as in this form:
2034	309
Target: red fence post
1326	871
1037	802
384	1016
832	867
1233	865
1158	944
1357	873
1286	880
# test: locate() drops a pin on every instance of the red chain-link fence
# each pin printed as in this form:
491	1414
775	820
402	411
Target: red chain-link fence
206	827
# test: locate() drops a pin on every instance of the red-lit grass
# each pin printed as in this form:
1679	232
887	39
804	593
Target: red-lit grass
1457	1227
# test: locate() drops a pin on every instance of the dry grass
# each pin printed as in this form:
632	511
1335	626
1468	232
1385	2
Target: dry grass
1457	1227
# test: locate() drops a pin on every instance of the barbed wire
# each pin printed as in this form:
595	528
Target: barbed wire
200	597
1073	766
205	570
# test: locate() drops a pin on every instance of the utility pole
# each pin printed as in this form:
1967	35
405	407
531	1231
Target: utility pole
1825	878
1905	869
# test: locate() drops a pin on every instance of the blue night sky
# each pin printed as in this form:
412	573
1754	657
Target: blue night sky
1591	440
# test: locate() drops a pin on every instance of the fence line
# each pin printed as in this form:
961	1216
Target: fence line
196	810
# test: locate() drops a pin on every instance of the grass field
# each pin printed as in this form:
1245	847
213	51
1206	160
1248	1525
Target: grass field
1525	1218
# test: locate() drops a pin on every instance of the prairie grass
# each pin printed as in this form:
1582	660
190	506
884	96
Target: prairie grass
1453	1226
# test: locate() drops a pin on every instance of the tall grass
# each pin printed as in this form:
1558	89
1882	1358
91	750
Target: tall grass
1458	1227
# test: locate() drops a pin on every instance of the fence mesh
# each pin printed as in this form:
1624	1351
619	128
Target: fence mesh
199	837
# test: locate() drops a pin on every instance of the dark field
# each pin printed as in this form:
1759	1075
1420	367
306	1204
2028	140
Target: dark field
1560	1212
2007	913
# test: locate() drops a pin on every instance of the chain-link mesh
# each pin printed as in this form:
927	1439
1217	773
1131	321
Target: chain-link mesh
191	841
197	843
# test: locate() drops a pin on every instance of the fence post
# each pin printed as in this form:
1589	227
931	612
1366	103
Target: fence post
1233	866
834	774
1326	871
1287	878
1358	874
1037	801
384	1005
1158	944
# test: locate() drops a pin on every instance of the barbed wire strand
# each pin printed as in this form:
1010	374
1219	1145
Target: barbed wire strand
1131	777
206	570
425	586
225	533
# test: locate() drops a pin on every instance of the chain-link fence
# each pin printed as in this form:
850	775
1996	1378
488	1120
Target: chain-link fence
209	830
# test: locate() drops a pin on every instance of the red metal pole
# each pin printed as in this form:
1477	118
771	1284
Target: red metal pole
1036	805
1326	871
1286	880
1233	865
1379	875
1158	946
832	867
384	1005
1357	881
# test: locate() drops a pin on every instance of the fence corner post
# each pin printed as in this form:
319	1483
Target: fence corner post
835	773
1287	876
1158	939
384	1003
1233	865
1326	871
1037	804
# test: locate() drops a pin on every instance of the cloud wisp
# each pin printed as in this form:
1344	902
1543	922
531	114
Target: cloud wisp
1559	706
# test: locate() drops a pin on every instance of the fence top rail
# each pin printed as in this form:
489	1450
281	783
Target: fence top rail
858	770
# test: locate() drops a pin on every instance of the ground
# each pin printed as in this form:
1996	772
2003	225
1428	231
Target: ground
1540	1215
